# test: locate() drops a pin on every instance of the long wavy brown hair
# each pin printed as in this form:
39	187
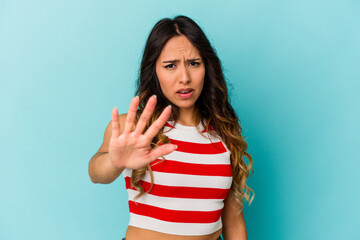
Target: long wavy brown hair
212	107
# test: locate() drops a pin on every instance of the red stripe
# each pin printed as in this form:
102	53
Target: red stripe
181	192
169	125
210	129
174	215
171	166
199	148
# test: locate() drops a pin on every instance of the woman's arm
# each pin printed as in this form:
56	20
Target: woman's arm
101	170
234	227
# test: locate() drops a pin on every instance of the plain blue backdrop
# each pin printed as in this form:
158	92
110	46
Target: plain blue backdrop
293	73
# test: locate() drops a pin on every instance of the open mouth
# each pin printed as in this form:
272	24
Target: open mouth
185	93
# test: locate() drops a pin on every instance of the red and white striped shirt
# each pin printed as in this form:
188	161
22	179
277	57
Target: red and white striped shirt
189	186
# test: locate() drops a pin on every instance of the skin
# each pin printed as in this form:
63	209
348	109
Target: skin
126	145
181	66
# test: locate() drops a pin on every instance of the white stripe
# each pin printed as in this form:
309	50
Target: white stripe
185	180
193	136
127	172
176	203
185	229
221	158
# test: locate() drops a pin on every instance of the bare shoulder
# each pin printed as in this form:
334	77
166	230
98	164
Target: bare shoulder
107	135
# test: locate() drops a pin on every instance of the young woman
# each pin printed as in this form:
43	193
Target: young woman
179	146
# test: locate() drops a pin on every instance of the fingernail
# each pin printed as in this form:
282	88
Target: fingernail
175	146
137	96
154	96
170	106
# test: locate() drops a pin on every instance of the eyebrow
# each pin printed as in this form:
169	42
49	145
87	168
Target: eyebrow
177	60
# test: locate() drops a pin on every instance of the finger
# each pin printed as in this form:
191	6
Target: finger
158	124
115	128
146	114
162	150
130	118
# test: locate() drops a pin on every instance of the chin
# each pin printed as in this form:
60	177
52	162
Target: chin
185	106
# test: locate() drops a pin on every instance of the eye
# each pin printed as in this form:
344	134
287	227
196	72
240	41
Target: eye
170	66
194	64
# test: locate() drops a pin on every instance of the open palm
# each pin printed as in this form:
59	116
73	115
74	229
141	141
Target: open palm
132	149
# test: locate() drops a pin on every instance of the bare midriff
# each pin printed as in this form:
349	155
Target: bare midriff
134	233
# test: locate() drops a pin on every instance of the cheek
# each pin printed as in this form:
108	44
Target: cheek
165	83
201	83
200	78
161	77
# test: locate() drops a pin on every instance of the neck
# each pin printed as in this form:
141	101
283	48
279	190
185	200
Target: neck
186	117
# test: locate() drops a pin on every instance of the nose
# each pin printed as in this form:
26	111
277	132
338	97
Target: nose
184	76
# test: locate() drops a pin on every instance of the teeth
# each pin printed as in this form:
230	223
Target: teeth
184	91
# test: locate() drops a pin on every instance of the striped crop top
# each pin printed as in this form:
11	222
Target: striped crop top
189	186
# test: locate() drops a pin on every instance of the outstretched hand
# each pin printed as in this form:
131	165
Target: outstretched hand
132	148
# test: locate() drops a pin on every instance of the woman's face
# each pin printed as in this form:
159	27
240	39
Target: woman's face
181	72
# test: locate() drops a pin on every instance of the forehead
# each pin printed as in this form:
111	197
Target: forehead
179	46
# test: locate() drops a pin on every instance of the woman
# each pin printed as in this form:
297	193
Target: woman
179	146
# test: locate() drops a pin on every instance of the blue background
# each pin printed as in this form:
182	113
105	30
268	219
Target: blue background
294	72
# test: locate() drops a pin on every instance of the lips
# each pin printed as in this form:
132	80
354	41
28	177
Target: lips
185	90
185	93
